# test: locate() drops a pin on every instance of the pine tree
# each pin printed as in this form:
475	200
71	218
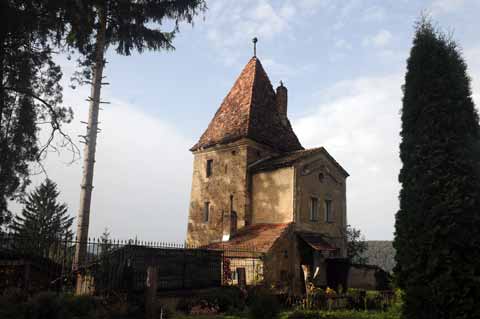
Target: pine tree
30	91
437	236
43	221
106	242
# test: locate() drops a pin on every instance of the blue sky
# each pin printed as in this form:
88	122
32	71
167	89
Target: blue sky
343	63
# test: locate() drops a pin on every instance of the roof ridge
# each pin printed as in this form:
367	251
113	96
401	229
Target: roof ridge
249	117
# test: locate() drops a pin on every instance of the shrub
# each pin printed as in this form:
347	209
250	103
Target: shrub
344	314
373	300
12	304
225	299
304	314
263	305
80	307
46	305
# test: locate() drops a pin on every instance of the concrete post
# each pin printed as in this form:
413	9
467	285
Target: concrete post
151	292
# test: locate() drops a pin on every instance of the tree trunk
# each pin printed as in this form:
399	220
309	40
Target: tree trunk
91	141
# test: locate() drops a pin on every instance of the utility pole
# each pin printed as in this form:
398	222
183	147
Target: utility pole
90	140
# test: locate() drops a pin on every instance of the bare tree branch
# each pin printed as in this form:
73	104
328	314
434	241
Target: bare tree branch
56	127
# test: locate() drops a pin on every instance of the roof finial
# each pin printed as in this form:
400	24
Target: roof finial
255	40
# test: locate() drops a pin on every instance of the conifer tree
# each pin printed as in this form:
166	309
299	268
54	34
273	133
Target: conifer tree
30	91
43	221
437	236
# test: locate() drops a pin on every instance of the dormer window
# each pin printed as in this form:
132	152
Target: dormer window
209	168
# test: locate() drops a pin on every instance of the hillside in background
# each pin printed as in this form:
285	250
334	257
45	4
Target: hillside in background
381	253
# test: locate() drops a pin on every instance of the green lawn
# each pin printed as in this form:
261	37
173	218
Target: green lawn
312	314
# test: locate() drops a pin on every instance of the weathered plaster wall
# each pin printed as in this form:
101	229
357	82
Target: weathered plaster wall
318	177
229	178
272	196
362	278
282	266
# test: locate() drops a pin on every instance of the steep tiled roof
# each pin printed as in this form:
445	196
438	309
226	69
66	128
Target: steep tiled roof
258	237
249	111
288	159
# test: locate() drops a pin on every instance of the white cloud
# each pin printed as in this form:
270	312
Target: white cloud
445	6
343	44
142	172
268	21
379	40
314	5
472	57
232	24
358	122
374	13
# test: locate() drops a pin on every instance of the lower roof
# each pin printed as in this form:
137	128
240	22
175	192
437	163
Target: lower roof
288	159
316	241
258	237
261	238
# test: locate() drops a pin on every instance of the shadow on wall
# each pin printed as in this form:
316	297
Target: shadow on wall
272	196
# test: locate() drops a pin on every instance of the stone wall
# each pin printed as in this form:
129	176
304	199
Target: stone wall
362	277
225	189
282	264
318	177
272	196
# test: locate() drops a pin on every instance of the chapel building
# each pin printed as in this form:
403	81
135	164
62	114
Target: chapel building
255	186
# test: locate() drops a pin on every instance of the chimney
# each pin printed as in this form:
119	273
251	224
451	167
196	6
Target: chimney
281	99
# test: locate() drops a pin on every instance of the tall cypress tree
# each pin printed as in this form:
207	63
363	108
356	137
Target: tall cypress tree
437	237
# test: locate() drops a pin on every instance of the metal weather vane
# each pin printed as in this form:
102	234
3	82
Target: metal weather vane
255	40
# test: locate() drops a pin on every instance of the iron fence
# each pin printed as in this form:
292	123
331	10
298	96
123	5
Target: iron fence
36	264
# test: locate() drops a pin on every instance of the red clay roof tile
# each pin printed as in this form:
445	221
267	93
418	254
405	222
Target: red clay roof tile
249	111
258	237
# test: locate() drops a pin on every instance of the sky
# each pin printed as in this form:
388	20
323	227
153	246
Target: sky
343	63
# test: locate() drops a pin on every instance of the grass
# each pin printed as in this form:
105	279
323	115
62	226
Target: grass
315	314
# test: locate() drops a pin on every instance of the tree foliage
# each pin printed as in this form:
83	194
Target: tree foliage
437	238
130	26
356	246
30	90
43	221
31	32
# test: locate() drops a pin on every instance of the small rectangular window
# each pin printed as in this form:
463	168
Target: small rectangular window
209	167
313	209
206	211
328	211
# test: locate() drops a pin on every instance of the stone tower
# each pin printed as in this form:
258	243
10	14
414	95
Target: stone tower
251	124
